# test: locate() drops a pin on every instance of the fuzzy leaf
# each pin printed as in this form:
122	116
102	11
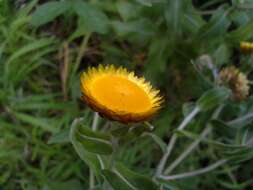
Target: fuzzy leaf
92	141
213	98
94	161
122	178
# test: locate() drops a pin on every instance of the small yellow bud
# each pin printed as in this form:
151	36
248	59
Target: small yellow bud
246	47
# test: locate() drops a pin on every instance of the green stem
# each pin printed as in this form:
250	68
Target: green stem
94	128
149	125
95	121
91	180
114	141
114	153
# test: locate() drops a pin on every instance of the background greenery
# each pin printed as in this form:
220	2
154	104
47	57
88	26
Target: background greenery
44	45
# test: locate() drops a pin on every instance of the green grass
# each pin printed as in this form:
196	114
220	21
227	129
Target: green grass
42	55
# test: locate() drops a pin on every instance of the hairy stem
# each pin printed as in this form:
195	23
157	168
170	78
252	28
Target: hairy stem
196	172
173	140
241	119
193	145
187	151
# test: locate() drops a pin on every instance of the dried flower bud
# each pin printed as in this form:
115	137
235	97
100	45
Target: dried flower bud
236	81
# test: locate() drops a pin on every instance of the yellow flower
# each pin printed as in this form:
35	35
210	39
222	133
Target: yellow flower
118	94
246	47
236	81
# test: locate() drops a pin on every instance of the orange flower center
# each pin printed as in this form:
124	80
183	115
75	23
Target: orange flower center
121	94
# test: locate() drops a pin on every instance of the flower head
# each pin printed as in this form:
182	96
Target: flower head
236	81
118	94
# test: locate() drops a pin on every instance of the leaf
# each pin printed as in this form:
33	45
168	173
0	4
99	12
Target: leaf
142	27
145	2
239	155
221	54
34	105
242	33
213	98
66	185
242	121
188	108
173	14
240	18
93	142
136	131
49	11
91	18
98	188
38	44
117	182
121	178
84	130
34	121
80	31
217	26
223	130
128	10
120	131
205	71
141	182
191	23
217	144
17	24
157	58
95	162
61	137
158	141
28	8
